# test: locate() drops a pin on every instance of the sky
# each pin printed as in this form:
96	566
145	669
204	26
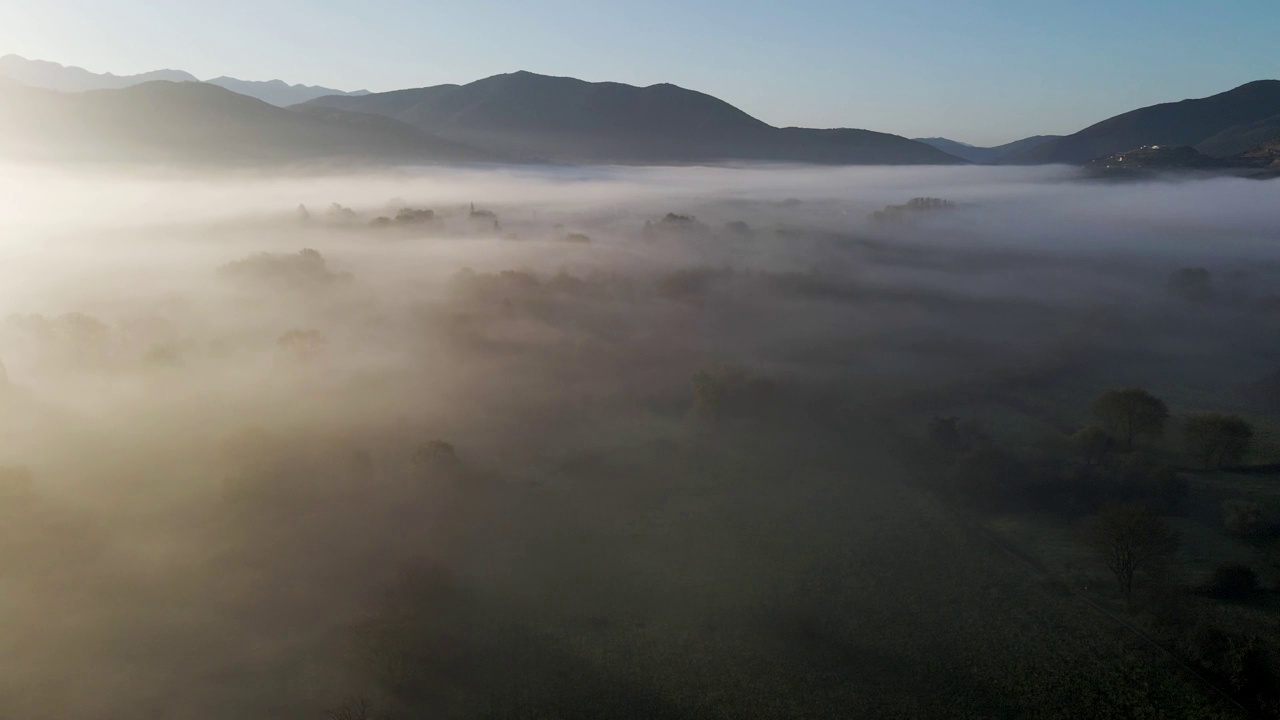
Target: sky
979	71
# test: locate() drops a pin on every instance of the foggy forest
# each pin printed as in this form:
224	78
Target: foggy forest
637	442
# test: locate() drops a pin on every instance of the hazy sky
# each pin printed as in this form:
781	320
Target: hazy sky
982	71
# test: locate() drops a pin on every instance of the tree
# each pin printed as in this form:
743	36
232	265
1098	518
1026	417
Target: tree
436	455
1092	444
1213	440
1130	413
300	347
355	708
1232	581
1129	539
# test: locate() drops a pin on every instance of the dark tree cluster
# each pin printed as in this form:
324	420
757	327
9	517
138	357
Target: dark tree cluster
306	268
405	217
914	205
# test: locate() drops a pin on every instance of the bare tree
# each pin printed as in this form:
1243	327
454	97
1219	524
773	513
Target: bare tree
1129	538
1214	440
354	708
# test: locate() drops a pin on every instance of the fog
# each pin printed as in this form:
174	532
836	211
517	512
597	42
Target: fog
261	461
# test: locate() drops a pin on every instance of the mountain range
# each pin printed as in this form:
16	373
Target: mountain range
1222	125
191	122
51	111
527	115
52	76
988	155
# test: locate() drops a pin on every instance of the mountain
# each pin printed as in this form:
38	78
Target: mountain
278	92
572	120
52	76
987	155
1185	123
1155	158
1265	155
1242	138
200	123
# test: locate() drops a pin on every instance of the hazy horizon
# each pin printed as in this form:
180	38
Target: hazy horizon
976	75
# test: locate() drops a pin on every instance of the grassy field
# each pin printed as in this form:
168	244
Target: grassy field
738	577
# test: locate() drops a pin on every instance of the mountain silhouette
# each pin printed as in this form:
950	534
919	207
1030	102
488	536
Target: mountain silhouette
572	120
190	122
1226	124
987	155
52	76
278	92
1243	138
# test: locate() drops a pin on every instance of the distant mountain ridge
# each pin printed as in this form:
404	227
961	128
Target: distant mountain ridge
987	155
573	120
198	123
53	76
1221	125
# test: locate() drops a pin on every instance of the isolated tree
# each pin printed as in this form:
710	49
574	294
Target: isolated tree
1092	445
436	455
1130	413
1213	440
1233	581
1129	539
300	347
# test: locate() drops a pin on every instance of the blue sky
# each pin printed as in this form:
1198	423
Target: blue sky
982	71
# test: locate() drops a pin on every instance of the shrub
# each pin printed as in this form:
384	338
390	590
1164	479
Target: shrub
1232	581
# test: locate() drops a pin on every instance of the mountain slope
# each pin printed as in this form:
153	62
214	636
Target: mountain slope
573	120
200	123
52	76
278	92
1242	138
1189	122
987	155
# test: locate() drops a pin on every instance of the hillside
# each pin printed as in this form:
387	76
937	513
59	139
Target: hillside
1158	158
1185	123
278	92
1242	138
572	120
53	76
987	155
201	123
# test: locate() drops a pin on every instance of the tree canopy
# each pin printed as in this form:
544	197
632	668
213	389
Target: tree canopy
1213	440
1130	413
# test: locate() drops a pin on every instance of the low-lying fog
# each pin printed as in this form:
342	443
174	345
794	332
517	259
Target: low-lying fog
251	423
